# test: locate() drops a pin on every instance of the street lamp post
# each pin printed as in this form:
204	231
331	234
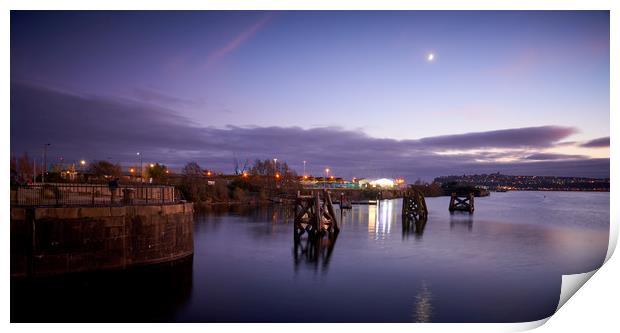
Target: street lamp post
304	168
150	172
326	176
44	169
275	172
140	156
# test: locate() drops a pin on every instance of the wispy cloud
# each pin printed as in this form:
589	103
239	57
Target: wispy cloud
521	64
215	56
597	143
160	98
553	157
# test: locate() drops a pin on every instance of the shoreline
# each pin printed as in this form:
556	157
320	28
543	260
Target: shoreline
205	204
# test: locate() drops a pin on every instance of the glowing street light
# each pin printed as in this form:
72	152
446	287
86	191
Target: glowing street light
141	170
326	176
275	172
152	165
44	169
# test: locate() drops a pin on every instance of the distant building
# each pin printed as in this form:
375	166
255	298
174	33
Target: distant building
323	182
382	183
379	183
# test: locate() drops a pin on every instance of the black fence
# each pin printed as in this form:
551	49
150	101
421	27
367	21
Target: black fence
92	195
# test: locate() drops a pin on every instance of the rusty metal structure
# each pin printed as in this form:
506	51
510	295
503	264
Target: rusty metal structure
414	206
94	195
461	203
415	212
314	215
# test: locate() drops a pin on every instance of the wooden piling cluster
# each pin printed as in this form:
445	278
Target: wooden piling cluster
414	206
314	214
463	203
415	212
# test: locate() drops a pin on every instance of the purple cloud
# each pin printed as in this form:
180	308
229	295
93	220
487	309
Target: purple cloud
550	157
95	127
597	143
543	136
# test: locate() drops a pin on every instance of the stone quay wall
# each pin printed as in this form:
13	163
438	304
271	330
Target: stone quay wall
50	241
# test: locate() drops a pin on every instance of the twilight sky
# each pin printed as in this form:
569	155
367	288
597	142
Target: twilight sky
516	92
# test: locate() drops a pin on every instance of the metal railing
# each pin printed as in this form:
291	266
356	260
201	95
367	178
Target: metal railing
93	195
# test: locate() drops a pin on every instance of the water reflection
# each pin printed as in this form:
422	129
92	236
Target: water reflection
372	219
242	267
140	294
461	220
423	309
255	213
353	216
380	218
314	250
413	228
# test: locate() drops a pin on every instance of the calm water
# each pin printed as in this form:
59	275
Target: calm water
502	264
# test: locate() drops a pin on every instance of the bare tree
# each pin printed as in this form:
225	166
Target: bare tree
25	166
158	172
238	169
105	168
192	169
